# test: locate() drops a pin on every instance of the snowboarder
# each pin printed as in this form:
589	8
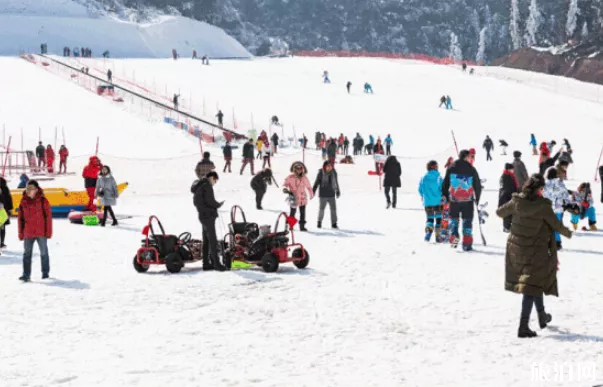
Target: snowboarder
531	263
442	101
274	139
248	156
220	117
557	193
106	190
332	152
521	173
325	77
41	155
392	180
368	88
348	86
204	166
259	184
298	187
508	186
584	199
449	103
430	189
462	187
388	145
227	152
488	146
63	154
503	147
50	159
207	208
110	76
533	143
175	100
346	145
328	190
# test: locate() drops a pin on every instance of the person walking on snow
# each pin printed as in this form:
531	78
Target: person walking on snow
461	188
368	88
35	225
298	187
204	166
531	256
325	77
227	152
259	184
50	159
442	101
90	175
328	190
6	202
392	179
388	145
110	76
340	141
430	189
533	143
508	187
521	173
488	146
332	151
275	140
266	156
248	156
551	145
348	86
41	155
63	154
220	117
106	190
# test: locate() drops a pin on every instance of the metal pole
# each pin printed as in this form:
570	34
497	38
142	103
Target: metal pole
598	162
6	157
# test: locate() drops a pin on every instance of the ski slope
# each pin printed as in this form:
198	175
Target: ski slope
377	305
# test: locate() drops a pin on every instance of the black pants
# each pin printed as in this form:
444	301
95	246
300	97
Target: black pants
394	195
488	156
210	241
302	214
388	150
345	149
108	209
528	302
259	195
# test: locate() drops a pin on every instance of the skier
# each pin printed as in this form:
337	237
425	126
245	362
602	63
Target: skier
325	77
519	167
204	166
348	86
442	101
533	143
248	156
227	152
328	190
392	179
503	146
461	187
584	198
346	145
63	154
298	187
508	186
41	154
175	100
488	146
430	189
275	142
90	175
259	184
368	88
388	144
449	103
50	159
110	76
531	263
557	193
220	117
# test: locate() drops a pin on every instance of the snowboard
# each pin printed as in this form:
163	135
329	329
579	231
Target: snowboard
482	215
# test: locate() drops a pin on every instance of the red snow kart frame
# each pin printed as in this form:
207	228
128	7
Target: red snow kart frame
255	245
163	249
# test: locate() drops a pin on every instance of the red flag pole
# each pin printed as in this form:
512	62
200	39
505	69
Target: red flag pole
598	163
6	157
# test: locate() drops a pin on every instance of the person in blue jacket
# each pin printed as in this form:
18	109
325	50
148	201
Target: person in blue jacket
388	144
534	144
430	189
23	180
371	144
368	88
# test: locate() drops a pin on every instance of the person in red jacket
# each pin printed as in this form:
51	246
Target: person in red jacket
50	159
63	154
35	225
90	175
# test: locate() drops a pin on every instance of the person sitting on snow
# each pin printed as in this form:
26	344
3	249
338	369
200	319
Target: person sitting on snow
347	160
584	199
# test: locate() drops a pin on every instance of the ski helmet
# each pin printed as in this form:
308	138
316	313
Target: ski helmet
432	165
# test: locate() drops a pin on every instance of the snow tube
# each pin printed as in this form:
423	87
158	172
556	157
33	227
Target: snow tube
77	217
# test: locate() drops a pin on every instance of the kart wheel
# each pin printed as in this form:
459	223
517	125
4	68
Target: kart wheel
174	263
302	263
138	267
270	263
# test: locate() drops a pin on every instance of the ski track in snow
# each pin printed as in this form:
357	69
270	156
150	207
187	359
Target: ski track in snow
377	306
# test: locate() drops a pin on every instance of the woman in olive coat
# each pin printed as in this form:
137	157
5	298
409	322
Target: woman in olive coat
531	257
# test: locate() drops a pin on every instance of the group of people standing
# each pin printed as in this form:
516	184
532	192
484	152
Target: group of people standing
46	157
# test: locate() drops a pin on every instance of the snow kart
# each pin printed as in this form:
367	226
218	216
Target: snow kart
163	249
249	243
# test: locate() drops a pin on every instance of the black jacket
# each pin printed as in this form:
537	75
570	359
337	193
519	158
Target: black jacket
393	172
332	150
227	151
41	152
360	142
328	188
261	180
460	179
204	200
550	162
346	142
248	151
488	144
507	189
5	196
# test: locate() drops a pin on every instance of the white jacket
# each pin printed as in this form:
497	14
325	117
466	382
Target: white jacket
555	191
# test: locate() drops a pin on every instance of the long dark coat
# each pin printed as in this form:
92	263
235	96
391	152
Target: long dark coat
531	258
392	171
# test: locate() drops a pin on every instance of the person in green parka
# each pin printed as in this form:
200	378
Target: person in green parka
531	257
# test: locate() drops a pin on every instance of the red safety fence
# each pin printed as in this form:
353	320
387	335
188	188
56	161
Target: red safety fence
389	55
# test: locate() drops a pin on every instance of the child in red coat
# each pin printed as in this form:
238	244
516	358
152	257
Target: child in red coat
50	159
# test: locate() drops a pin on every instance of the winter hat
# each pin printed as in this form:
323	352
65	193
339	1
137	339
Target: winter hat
472	151
517	154
432	165
464	154
509	167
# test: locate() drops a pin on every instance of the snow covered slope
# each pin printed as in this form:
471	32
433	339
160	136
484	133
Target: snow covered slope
376	307
25	24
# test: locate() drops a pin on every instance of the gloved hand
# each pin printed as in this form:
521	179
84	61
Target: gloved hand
338	194
585	205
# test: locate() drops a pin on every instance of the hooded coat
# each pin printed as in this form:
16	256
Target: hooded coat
106	189
204	199
299	185
393	172
35	217
91	172
531	257
430	188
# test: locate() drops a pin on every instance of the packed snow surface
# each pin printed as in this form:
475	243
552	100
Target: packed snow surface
25	24
377	305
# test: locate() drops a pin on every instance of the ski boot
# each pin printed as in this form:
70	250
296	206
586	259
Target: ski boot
428	232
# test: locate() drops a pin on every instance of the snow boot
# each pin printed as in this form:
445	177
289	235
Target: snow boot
544	318
438	235
524	330
24	278
319	225
467	243
207	265
259	208
302	227
219	267
454	241
45	276
388	205
334	225
115	223
428	232
593	227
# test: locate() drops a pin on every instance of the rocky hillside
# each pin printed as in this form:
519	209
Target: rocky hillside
477	30
583	61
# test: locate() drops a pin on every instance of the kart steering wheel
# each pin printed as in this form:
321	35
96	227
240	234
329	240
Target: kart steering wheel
185	237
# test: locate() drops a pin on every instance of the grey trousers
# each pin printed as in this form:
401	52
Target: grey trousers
332	206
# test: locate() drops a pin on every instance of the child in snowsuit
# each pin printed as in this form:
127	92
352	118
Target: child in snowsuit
430	189
299	189
50	159
556	192
259	184
584	198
